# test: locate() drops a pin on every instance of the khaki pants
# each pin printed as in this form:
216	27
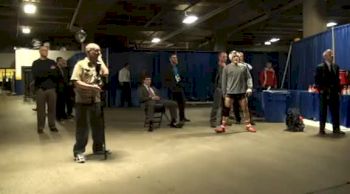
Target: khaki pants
44	97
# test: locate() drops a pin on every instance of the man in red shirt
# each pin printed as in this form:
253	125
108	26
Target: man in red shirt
268	77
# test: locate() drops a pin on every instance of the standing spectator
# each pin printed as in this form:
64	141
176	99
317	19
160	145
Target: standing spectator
174	82
237	112
62	89
268	77
218	100
88	102
45	79
327	81
124	81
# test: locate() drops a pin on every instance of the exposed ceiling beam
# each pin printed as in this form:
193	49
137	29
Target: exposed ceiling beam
271	33
201	19
89	13
264	17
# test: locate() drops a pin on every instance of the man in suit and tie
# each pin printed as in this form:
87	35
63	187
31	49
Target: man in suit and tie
174	82
150	97
327	81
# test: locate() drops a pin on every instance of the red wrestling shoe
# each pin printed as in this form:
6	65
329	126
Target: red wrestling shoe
220	129
250	128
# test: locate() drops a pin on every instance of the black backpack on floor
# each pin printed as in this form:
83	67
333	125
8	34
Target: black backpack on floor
294	120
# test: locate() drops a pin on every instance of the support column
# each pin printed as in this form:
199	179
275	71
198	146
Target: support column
220	41
314	17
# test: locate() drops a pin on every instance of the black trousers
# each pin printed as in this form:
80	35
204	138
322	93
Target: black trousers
70	98
179	97
61	105
331	100
126	94
88	115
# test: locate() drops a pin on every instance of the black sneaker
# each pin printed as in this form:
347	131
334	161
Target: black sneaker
99	152
53	129
187	120
40	131
322	132
338	132
177	125
150	126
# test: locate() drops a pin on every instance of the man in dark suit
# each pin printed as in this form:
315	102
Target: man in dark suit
327	81
150	97
216	108
174	82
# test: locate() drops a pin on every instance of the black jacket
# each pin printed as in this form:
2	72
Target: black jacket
327	80
169	79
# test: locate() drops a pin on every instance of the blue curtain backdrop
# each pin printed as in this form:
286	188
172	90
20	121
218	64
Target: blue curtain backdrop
342	46
307	54
199	67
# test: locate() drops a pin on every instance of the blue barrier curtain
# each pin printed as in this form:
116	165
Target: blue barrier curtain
305	56
198	71
342	46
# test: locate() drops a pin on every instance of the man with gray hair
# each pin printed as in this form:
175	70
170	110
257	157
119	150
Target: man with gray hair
327	82
45	80
85	77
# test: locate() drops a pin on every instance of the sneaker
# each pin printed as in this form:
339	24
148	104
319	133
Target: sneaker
339	133
79	158
186	120
54	129
250	128
99	152
221	129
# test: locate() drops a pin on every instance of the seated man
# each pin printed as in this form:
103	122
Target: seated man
149	96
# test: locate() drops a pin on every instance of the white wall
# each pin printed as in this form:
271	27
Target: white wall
25	57
7	60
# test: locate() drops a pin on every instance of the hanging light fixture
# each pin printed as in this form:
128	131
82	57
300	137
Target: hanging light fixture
331	24
274	39
155	40
267	43
189	19
29	8
26	30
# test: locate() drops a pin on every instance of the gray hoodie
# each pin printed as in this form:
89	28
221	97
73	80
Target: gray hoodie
236	79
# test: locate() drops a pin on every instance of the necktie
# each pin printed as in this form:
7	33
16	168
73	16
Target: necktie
150	93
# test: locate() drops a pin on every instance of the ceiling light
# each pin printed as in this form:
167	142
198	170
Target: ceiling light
331	24
155	40
25	30
274	39
29	8
190	19
267	43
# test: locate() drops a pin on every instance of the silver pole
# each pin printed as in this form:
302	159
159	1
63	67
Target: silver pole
287	65
333	44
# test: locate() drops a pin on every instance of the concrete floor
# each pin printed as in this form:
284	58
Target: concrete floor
189	160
